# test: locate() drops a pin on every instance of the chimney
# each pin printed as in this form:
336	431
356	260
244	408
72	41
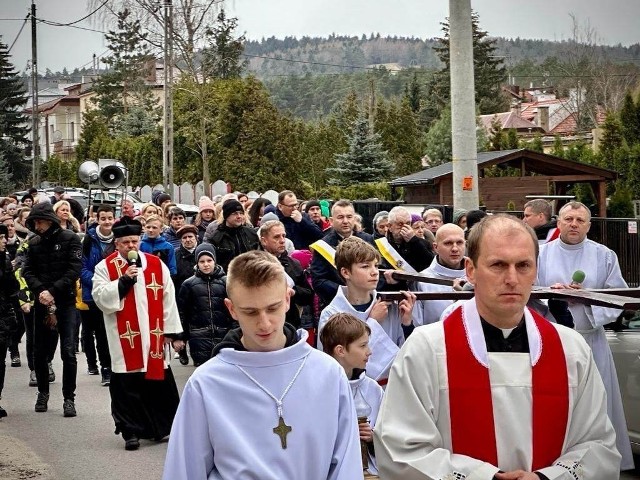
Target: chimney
515	108
543	117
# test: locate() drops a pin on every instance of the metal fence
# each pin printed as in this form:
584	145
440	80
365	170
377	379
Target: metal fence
618	234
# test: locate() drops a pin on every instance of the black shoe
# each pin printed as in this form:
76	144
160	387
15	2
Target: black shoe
132	443
41	402
93	371
106	377
52	374
15	361
69	408
33	380
3	412
184	358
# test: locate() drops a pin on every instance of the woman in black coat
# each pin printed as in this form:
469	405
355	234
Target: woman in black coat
8	300
205	318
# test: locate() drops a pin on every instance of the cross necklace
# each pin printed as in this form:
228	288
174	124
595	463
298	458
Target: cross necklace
282	429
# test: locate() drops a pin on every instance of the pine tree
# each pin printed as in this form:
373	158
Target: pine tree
413	93
365	161
13	123
222	58
630	119
123	96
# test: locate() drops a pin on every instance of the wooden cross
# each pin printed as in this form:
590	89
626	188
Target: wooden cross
282	430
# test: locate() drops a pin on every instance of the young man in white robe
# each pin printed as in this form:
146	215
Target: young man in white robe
496	392
448	264
557	262
357	263
135	292
267	405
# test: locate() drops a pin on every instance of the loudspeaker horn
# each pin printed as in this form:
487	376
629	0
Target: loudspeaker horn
88	172
111	176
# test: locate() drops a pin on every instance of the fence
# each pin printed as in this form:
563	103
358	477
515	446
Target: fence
190	194
621	236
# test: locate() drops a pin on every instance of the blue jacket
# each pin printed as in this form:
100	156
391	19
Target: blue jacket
160	248
170	236
302	233
93	252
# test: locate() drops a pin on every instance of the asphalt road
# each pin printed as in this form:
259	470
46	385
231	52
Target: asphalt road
47	446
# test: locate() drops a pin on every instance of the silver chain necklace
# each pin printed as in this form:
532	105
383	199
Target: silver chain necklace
282	429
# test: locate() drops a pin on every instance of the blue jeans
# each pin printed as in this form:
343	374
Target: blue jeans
42	338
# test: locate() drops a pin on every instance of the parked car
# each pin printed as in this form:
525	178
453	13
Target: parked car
625	346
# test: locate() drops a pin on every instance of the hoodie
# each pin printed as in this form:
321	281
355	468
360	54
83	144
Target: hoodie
233	339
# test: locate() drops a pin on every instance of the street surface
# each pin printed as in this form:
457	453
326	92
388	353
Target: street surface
47	446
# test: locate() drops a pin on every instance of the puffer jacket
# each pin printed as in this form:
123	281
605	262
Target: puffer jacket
162	249
93	252
8	297
185	263
205	318
53	263
231	242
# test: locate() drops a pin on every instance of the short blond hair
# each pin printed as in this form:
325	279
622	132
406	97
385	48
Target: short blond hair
254	269
155	218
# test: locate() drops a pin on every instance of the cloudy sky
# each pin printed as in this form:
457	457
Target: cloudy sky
616	21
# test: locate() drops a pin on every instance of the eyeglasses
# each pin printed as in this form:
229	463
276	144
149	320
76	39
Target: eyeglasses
295	205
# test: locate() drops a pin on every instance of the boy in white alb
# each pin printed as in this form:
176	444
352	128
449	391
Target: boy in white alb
267	405
346	339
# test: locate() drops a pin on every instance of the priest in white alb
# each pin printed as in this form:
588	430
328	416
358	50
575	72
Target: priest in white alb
135	292
267	406
495	391
557	263
448	264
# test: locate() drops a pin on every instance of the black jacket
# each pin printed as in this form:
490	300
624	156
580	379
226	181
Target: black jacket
231	242
185	262
234	339
53	263
8	297
416	251
205	318
302	233
303	292
324	275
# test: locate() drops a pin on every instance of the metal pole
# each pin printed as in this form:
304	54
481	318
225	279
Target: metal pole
463	111
35	162
167	131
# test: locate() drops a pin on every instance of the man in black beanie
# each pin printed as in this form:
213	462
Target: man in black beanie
51	269
233	237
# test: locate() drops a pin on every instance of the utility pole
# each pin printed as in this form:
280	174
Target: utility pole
463	107
35	150
167	131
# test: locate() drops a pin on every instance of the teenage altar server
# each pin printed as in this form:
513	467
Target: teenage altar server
267	405
557	262
135	292
495	391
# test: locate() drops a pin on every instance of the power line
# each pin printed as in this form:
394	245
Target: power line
57	24
18	36
54	24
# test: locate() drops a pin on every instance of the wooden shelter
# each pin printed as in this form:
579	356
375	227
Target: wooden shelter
540	174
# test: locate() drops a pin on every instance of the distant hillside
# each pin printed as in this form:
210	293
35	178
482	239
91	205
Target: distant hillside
340	54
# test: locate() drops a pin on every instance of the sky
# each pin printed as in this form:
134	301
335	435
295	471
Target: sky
615	21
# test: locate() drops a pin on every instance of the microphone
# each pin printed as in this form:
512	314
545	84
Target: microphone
132	259
578	277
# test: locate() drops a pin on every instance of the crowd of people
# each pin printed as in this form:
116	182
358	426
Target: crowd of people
261	297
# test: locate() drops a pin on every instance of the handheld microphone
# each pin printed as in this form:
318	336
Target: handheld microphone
132	259
578	277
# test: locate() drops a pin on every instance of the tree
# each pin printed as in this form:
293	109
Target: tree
630	119
365	161
413	94
399	133
222	58
437	140
123	94
13	129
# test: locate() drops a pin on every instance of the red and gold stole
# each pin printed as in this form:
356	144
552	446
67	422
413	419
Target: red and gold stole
470	401
128	322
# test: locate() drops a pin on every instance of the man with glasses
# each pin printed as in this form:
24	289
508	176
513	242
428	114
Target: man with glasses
300	229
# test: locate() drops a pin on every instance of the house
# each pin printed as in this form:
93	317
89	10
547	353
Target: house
540	174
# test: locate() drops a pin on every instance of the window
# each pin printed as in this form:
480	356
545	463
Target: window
72	135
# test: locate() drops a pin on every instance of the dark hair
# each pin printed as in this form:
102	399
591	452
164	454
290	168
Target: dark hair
342	329
254	211
176	212
504	223
104	208
284	194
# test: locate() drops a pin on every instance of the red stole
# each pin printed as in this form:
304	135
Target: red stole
471	406
128	322
554	235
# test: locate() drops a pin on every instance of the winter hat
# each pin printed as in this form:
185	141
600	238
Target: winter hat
324	208
415	218
187	229
378	217
268	217
312	203
205	203
473	217
26	197
458	214
205	249
41	211
269	209
230	207
126	227
161	198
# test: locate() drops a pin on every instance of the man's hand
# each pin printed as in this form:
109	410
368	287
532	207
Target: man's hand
517	475
366	433
379	311
407	232
177	344
296	216
25	307
132	271
45	298
388	277
406	308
